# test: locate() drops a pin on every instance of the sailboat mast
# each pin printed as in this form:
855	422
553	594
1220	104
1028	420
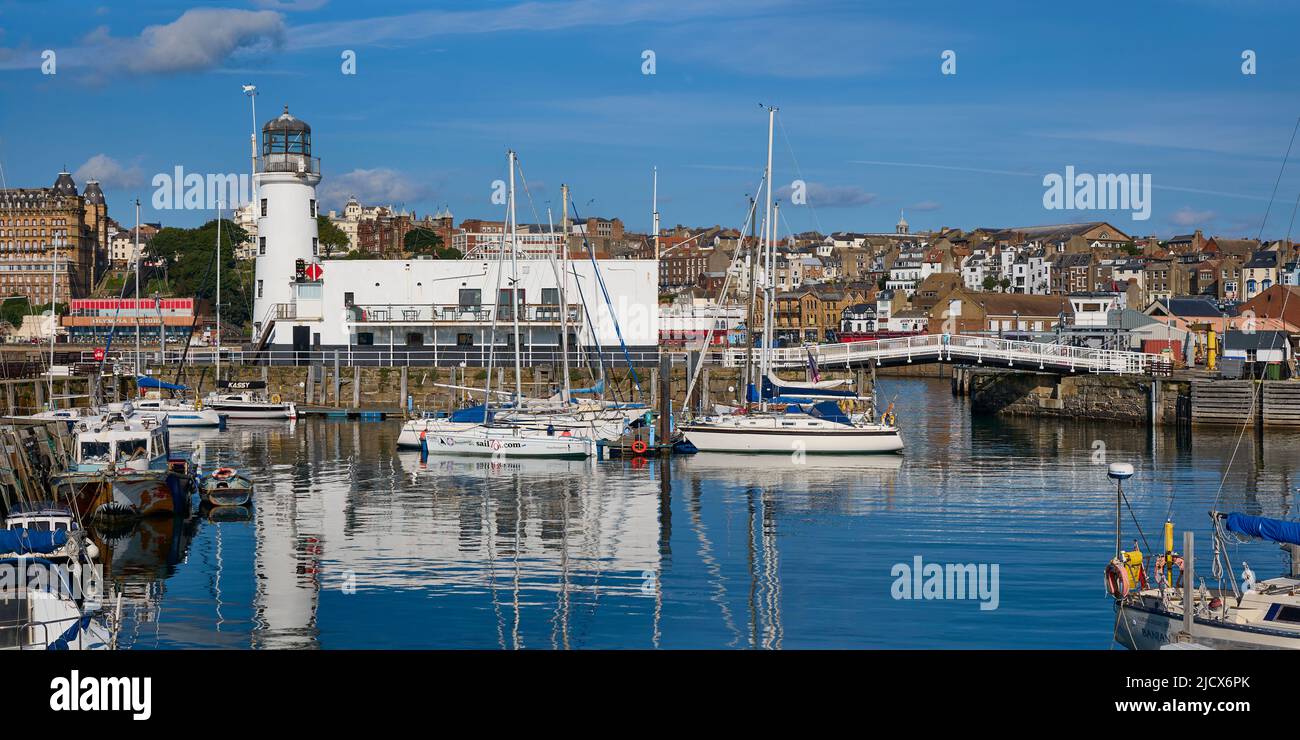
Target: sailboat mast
768	262
137	286
752	296
54	314
564	293
219	205
514	283
654	210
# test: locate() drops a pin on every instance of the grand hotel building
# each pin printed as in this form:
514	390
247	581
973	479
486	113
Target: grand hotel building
38	223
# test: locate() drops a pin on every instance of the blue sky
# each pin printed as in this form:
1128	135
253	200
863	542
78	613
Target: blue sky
867	118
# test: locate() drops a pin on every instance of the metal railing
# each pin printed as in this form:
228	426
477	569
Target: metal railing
454	313
396	355
959	348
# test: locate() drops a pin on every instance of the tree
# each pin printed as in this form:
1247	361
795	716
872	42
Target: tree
422	241
187	258
1005	283
331	237
990	283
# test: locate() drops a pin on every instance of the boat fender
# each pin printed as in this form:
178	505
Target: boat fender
198	404
275	398
639	447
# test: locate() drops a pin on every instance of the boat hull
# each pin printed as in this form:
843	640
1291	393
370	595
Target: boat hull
132	494
506	445
254	411
835	442
230	492
1141	627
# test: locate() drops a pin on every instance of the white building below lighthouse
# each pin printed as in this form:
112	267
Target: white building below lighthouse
442	312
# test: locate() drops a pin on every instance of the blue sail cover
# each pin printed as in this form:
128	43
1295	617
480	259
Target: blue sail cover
144	381
31	541
599	387
1264	528
470	414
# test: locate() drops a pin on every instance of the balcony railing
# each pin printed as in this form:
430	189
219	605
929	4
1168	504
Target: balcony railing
396	313
289	163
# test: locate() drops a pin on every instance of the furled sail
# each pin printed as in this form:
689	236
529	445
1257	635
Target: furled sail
1277	530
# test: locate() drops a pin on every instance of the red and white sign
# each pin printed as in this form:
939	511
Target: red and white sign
99	354
313	271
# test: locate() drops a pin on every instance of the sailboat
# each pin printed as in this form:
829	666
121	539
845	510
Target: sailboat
1171	606
493	438
810	417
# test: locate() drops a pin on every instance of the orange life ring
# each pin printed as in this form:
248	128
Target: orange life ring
639	447
1118	583
1163	569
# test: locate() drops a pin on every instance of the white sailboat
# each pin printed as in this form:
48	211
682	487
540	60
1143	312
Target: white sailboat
1157	610
810	421
492	437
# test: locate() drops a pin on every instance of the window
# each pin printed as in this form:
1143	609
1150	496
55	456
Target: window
348	298
414	339
259	288
470	299
315	245
313	208
264	206
465	339
261	245
550	296
365	338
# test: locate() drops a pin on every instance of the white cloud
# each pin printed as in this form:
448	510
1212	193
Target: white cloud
831	196
109	172
1186	216
378	186
291	5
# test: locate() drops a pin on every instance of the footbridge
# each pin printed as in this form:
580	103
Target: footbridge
963	349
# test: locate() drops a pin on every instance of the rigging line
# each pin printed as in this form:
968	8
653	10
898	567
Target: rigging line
1258	391
726	283
600	281
1278	181
799	171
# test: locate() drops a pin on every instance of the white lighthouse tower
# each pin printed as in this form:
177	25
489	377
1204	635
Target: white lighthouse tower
286	229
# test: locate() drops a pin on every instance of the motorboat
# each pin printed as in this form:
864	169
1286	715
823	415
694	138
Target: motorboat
248	399
54	601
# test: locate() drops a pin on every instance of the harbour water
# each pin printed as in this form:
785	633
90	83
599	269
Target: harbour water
352	544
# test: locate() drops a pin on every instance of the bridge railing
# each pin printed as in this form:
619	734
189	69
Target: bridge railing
956	348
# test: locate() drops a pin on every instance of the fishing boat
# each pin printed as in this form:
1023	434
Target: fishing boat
122	466
55	602
247	399
1165	605
783	416
226	487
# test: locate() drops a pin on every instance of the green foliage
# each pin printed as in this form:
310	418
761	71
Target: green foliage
990	283
331	238
359	254
14	309
187	260
421	241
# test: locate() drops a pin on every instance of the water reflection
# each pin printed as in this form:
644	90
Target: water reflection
352	544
